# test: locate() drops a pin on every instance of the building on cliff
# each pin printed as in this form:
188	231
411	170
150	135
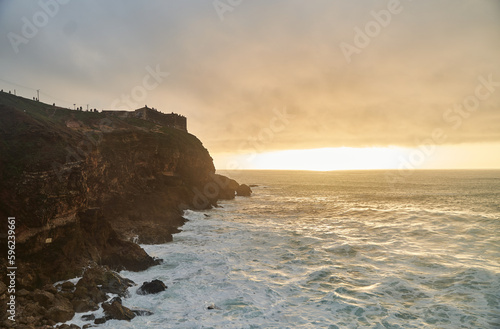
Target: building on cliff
173	120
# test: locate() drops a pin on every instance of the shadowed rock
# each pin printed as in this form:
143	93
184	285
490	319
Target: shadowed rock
84	305
67	286
226	187
100	320
107	281
142	312
115	310
62	310
44	298
3	288
243	190
152	287
68	326
88	317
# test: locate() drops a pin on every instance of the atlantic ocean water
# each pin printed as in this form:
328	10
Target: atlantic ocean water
334	250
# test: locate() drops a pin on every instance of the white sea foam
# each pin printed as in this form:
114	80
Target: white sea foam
277	260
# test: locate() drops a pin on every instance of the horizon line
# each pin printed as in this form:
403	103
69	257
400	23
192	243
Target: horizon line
377	169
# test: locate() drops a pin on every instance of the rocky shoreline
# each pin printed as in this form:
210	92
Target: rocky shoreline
85	188
98	288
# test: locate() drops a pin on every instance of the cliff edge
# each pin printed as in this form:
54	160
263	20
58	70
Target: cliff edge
85	187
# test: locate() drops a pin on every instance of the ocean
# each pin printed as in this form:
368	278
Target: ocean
334	250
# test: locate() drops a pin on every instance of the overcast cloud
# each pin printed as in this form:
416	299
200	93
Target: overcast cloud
228	75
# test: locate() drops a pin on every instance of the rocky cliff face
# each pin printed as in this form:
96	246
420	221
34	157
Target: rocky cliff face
84	186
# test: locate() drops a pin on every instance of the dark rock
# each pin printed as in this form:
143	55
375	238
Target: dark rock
117	311
213	307
107	281
80	292
68	286
115	299
67	294
68	326
3	288
115	284
34	309
50	288
62	311
84	305
114	252
142	312
48	323
27	276
88	317
100	320
28	320
243	190
97	295
152	287
24	326
226	187
44	298
22	293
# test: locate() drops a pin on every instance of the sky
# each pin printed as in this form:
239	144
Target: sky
277	84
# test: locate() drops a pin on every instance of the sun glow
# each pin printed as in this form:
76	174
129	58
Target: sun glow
341	158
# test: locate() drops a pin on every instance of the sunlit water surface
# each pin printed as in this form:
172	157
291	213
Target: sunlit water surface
334	250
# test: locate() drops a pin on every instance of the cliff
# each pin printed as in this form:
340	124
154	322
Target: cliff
84	186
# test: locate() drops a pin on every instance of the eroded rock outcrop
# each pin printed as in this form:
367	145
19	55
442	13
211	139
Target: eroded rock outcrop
152	287
109	282
244	190
114	310
81	192
84	188
54	304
